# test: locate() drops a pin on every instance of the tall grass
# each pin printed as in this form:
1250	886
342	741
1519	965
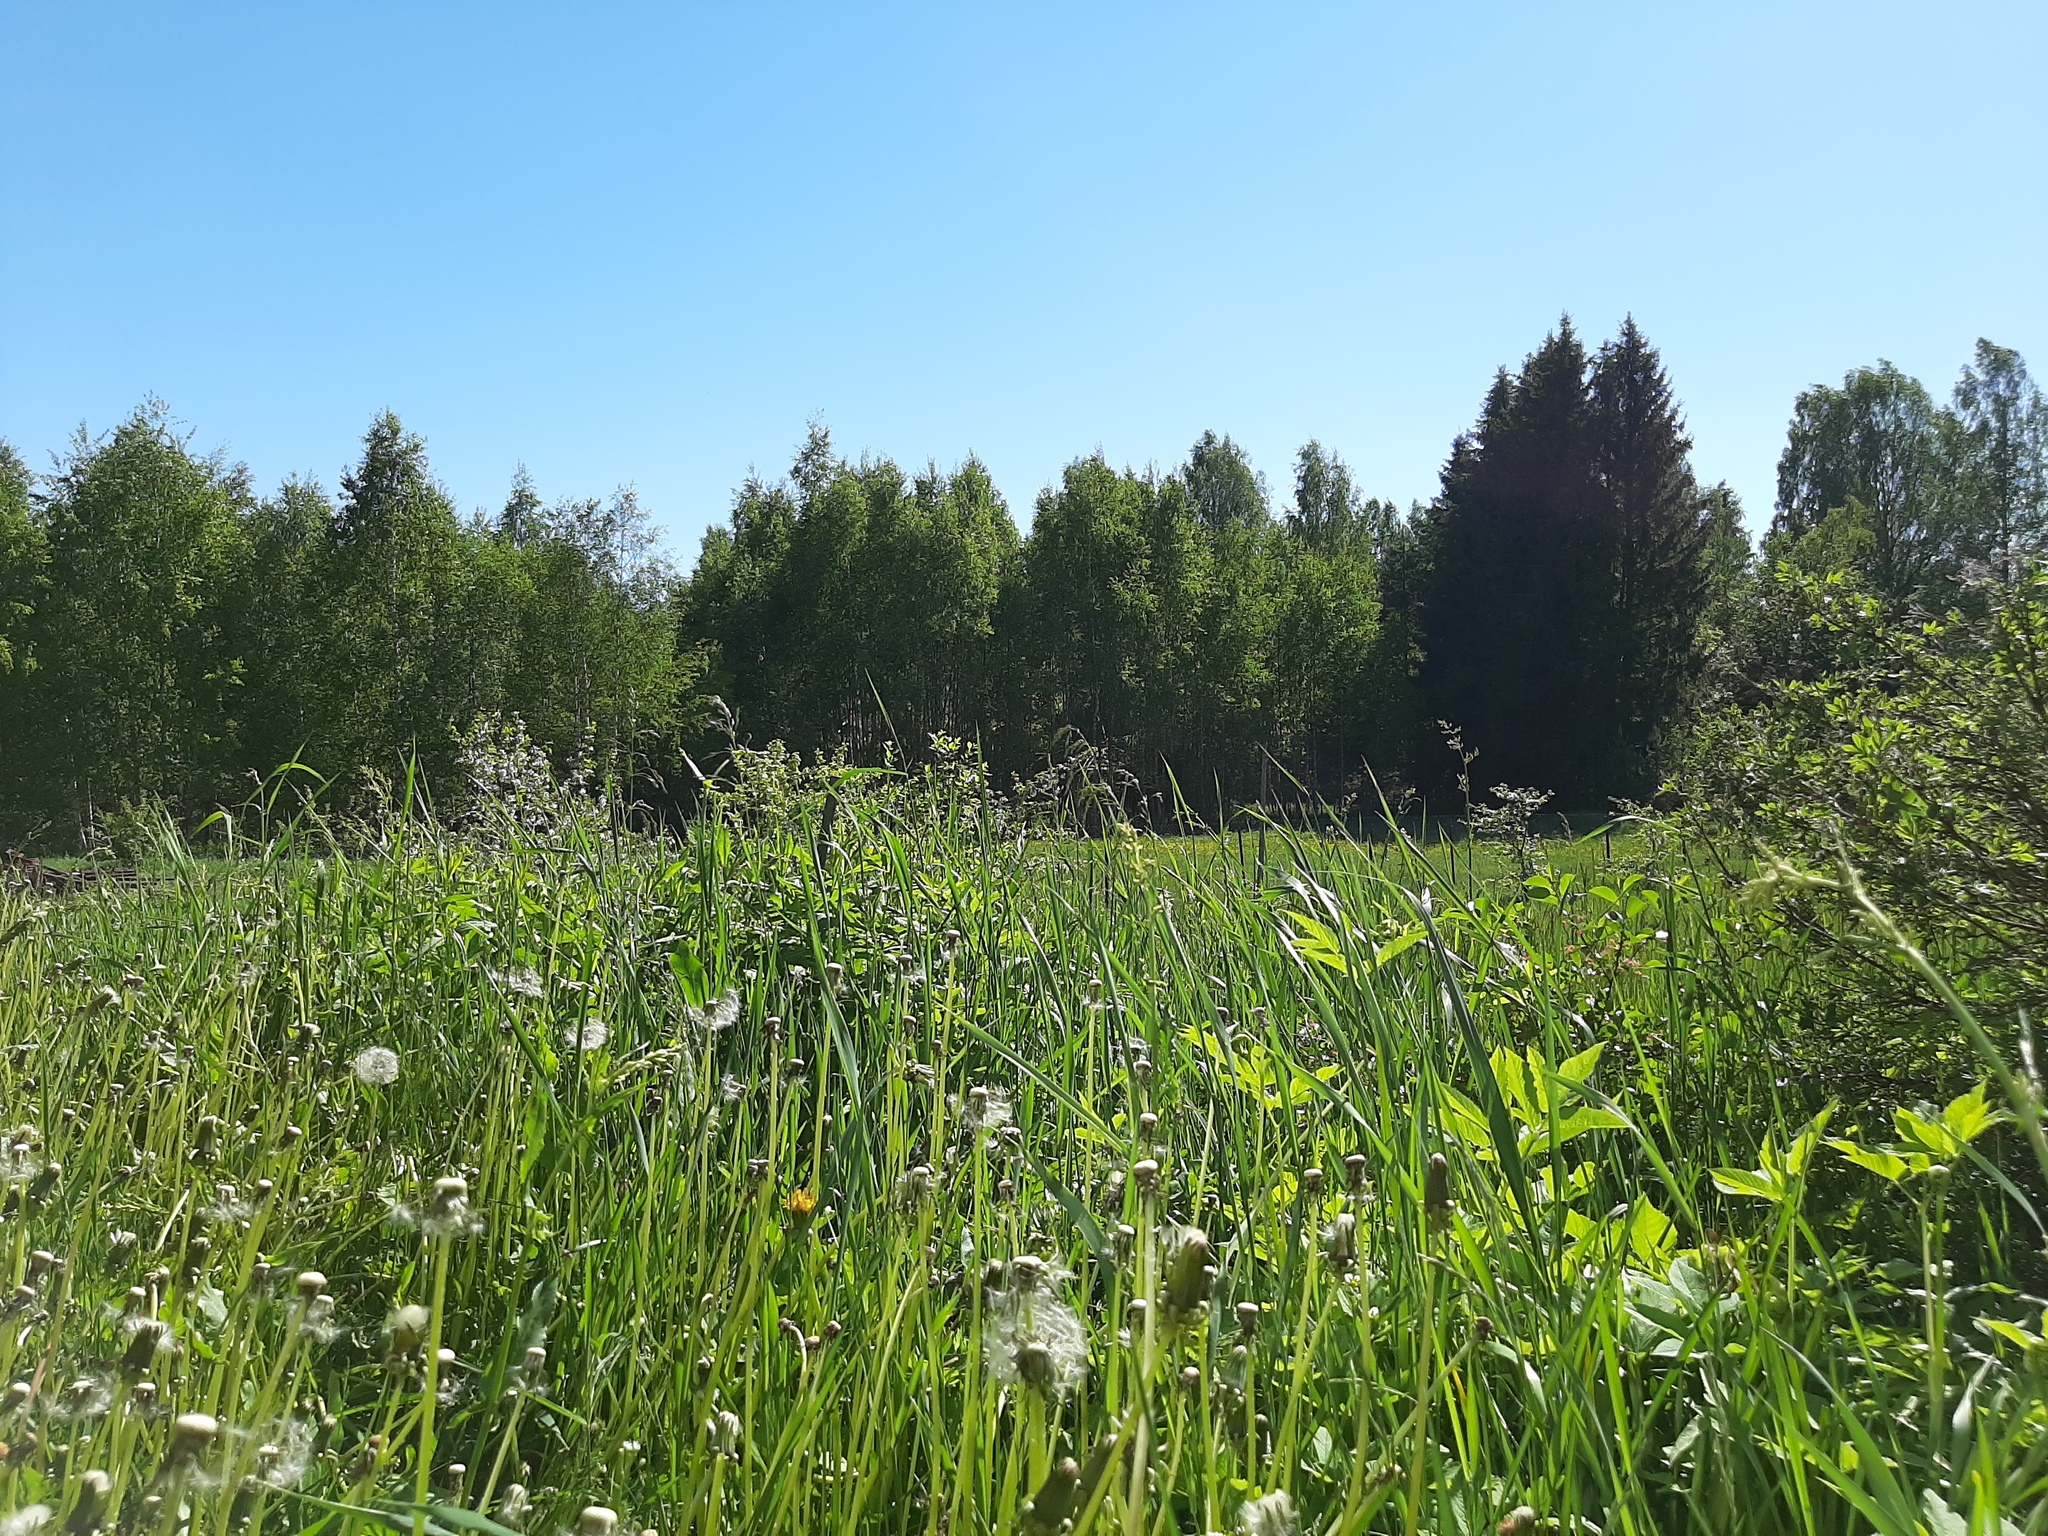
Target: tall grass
851	1164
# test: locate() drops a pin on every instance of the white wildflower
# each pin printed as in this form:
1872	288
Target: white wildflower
1272	1515
376	1066
590	1035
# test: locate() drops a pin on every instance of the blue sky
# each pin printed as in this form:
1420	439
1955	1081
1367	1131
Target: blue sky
648	244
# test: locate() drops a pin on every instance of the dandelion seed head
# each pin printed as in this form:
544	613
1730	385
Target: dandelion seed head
283	1461
588	1036
720	1013
377	1066
30	1517
1272	1515
1031	1336
518	980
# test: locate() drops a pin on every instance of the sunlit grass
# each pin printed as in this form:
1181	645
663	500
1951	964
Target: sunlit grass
851	1167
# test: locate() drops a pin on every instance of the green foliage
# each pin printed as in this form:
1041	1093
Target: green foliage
1917	754
1568	576
168	639
802	1171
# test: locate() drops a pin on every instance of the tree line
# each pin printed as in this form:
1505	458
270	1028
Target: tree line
1555	617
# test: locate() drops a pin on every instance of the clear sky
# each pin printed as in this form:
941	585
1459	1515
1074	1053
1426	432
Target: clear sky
648	244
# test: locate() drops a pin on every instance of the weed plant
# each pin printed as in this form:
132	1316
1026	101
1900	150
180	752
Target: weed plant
852	1162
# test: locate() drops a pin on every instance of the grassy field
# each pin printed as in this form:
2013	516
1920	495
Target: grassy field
849	1165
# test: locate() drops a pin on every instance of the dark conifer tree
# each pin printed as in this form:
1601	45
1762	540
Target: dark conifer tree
1650	533
1513	552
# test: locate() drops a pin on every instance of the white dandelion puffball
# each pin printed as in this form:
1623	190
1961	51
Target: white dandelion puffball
377	1066
590	1036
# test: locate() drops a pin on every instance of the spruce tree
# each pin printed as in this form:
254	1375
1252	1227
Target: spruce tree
1651	582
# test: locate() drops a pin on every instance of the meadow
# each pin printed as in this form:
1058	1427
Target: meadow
857	1160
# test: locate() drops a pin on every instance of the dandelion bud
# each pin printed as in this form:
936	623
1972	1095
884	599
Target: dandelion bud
514	1506
1053	1505
455	1472
835	976
1340	1242
310	1283
1034	1365
39	1263
1146	1172
45	1183
260	1274
143	1394
1312	1181
1248	1316
1141	1069
535	1364
18	1394
757	1168
121	1244
407	1330
1436	1188
1520	1521
596	1520
1191	1377
142	1347
1482	1329
1354	1172
197	1252
1137	1311
90	1511
833	1330
1271	1515
1006	1190
1148	1124
204	1137
290	1134
1126	1239
264	1190
725	1430
191	1434
152	1510
1191	1277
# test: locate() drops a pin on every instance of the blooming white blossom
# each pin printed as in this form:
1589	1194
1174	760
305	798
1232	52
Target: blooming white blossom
376	1066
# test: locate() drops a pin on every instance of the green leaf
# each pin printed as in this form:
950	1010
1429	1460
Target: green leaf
1969	1116
1886	1165
1311	941
1756	1185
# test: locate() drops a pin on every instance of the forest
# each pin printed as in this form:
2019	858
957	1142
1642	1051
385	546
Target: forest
1555	621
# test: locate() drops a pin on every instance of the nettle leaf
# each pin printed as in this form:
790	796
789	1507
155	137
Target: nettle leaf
1757	1185
1928	1133
1312	942
1886	1165
1970	1116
